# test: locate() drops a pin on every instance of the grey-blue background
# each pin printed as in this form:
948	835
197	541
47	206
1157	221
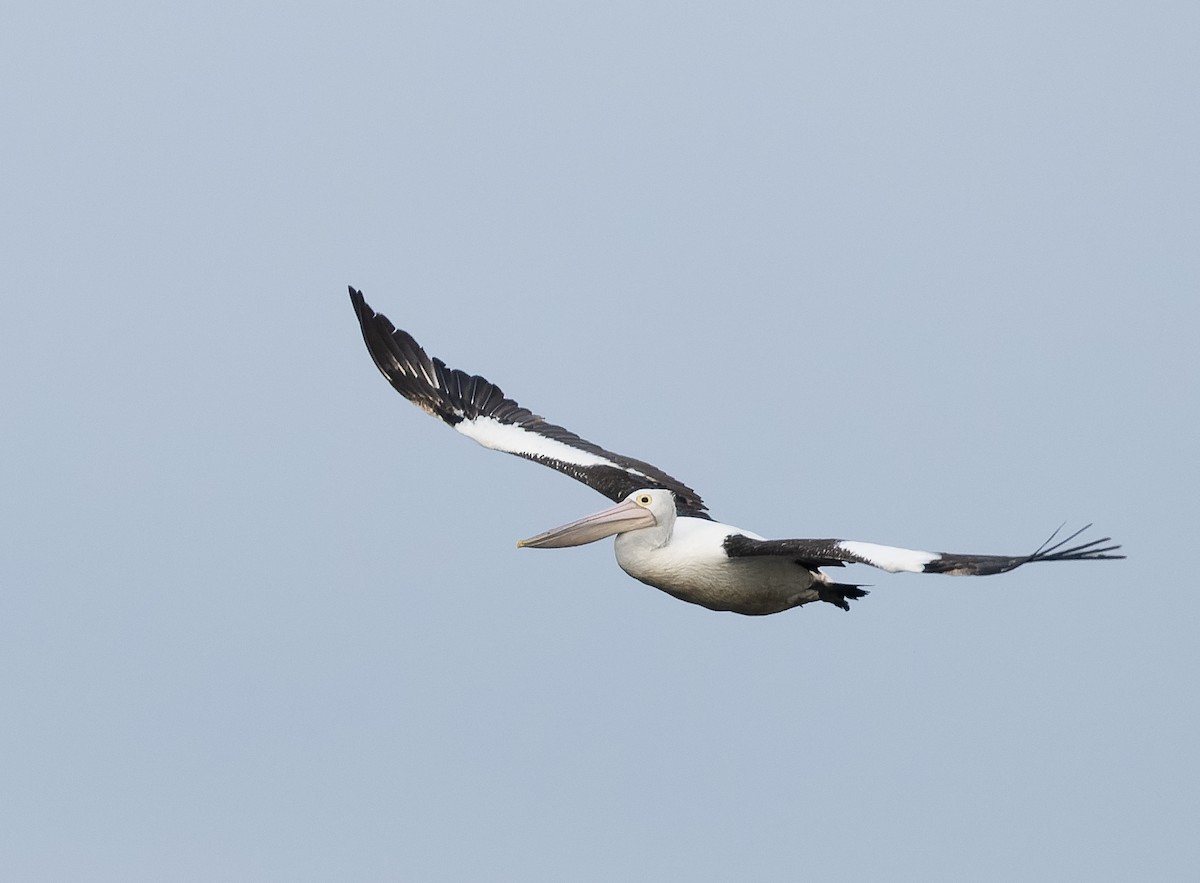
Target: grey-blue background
922	274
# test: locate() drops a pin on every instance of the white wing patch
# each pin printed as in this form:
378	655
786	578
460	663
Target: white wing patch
890	558
512	439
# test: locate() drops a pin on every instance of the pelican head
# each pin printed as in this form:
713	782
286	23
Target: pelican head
648	507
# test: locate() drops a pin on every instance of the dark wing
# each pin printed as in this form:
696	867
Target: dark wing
835	553
479	410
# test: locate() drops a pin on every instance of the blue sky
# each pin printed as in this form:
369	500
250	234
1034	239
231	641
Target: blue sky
921	275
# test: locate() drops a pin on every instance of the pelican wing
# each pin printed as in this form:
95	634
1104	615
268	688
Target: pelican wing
835	553
479	410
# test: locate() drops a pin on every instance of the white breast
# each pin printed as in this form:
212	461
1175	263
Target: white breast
693	566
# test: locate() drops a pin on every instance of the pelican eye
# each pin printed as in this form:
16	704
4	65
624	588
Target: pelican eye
643	500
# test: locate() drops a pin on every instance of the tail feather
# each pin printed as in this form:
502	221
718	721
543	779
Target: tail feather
840	594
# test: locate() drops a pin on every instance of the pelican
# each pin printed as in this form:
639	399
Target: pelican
664	534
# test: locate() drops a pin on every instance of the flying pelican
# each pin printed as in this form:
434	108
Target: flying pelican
664	534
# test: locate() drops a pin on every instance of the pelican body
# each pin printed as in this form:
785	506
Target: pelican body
687	558
664	534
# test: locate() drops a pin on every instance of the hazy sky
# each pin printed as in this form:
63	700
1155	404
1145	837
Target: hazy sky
922	274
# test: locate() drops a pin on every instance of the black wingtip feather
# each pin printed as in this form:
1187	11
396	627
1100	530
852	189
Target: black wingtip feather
1093	550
